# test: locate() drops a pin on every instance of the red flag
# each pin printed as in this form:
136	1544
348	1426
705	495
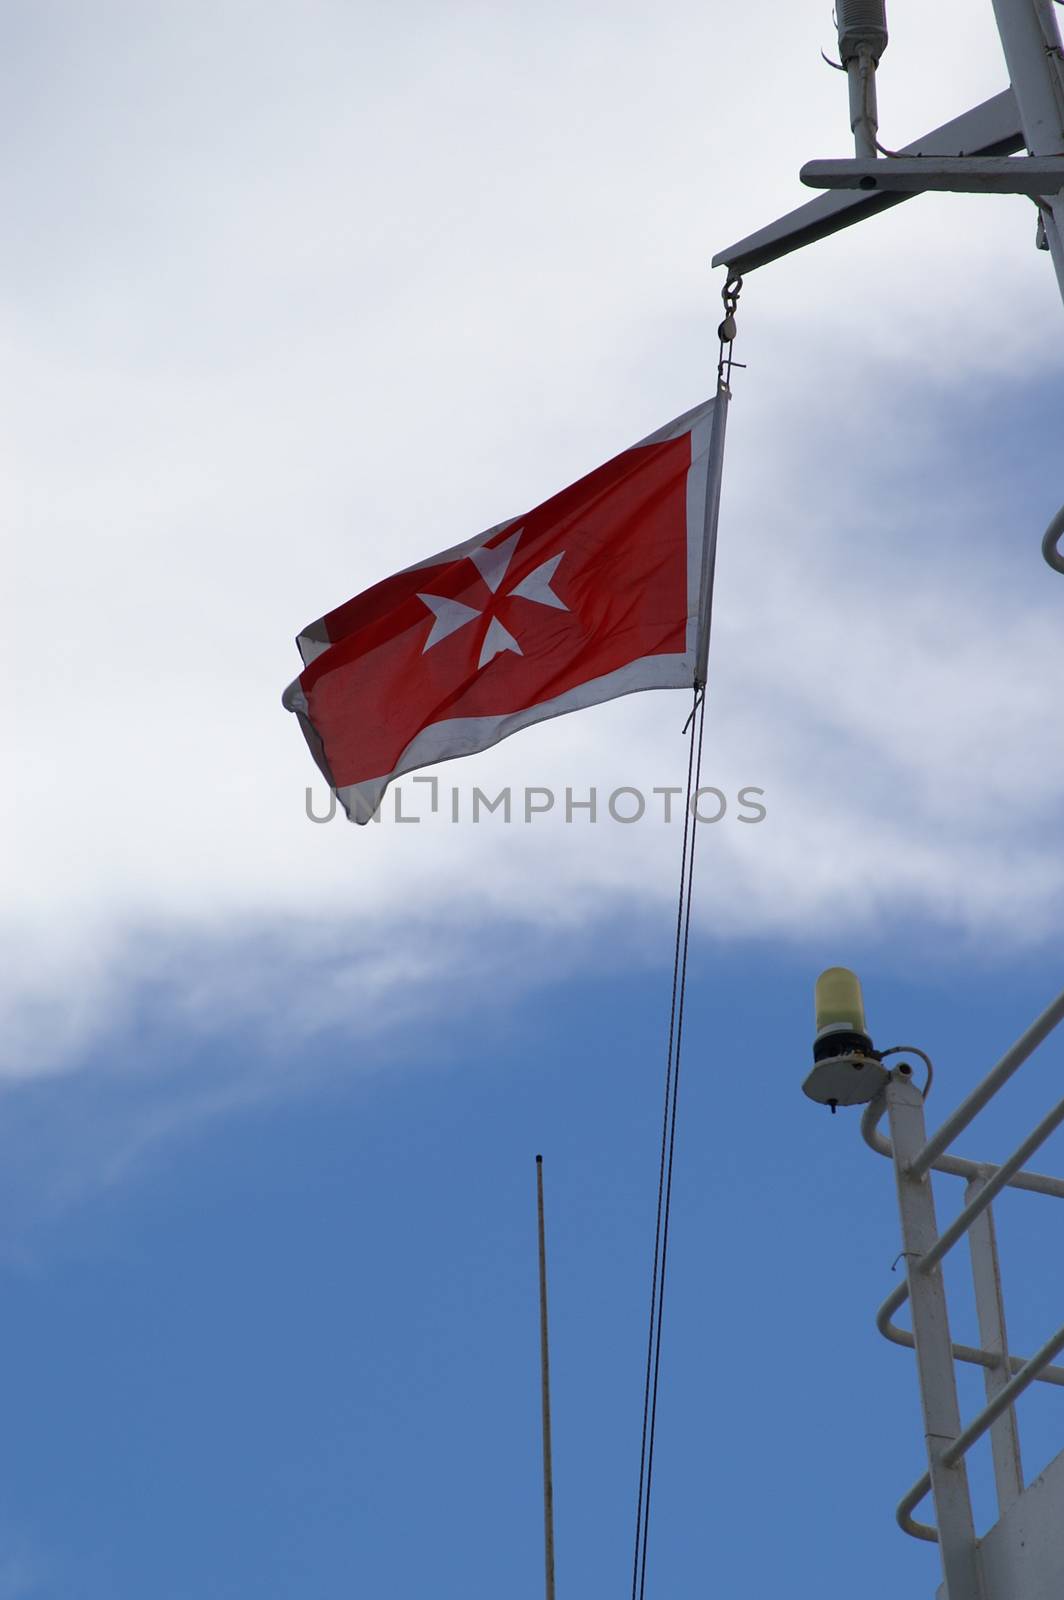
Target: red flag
599	591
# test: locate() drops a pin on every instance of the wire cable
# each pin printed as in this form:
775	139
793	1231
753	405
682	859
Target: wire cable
668	1130
676	1021
913	1050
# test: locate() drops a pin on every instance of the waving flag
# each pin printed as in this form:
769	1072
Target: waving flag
599	591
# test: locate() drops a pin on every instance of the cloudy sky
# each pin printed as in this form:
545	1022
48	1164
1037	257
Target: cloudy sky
294	295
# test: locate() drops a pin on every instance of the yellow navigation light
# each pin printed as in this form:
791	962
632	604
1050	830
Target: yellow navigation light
847	1070
838	1001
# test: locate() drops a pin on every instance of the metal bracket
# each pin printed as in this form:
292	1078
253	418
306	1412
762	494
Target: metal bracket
853	1079
1029	175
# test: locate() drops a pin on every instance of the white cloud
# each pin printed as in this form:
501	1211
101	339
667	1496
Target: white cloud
299	294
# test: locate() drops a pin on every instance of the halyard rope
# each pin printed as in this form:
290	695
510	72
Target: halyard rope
696	723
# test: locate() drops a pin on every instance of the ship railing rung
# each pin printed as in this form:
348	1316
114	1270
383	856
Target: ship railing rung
1026	1374
1004	1398
960	1166
984	1092
962	1352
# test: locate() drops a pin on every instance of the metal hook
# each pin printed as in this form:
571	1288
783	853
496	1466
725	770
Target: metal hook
727	331
730	295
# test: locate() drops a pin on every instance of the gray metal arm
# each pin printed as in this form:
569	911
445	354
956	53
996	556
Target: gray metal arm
991	129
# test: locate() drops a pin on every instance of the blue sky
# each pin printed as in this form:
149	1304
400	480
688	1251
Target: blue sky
296	295
296	1349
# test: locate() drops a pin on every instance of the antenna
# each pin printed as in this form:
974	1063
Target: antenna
862	40
544	1363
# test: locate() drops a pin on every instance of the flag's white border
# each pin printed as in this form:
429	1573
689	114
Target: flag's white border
463	736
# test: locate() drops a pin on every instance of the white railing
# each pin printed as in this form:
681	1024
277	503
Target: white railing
914	1157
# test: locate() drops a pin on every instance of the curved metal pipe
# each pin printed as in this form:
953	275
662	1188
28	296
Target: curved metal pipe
957	1166
961	1352
1051	542
906	1505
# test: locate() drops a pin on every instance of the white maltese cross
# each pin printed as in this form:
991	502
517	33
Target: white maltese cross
492	562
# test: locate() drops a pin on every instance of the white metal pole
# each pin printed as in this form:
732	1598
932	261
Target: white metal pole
1031	42
864	112
934	1348
990	1308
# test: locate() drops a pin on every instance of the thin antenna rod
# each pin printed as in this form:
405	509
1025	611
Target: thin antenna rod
544	1350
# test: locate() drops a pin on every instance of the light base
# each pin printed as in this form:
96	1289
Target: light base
847	1080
